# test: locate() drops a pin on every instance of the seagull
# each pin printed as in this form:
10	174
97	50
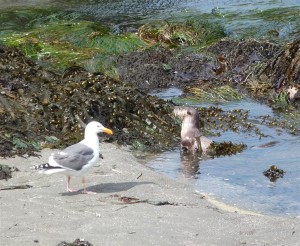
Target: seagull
76	159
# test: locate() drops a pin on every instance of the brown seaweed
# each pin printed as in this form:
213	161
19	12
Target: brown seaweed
273	173
226	148
55	105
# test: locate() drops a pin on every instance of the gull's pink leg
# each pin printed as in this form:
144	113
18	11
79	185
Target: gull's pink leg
84	189
68	184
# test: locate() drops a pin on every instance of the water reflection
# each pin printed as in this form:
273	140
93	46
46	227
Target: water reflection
190	164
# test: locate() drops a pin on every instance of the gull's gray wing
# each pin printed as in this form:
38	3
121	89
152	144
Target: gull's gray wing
74	157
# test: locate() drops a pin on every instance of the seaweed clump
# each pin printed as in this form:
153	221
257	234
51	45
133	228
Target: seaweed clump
37	104
284	73
77	242
225	148
225	63
6	171
273	173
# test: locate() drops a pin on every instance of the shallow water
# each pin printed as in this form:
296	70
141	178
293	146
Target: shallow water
241	18
238	179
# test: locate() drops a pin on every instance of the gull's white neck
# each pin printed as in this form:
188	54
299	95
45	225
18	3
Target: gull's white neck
91	140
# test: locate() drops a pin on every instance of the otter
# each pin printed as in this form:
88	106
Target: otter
191	139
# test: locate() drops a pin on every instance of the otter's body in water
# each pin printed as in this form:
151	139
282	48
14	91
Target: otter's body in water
191	139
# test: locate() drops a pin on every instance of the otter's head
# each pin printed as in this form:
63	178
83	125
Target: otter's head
189	117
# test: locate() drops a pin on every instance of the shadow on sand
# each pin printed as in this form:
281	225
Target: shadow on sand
108	188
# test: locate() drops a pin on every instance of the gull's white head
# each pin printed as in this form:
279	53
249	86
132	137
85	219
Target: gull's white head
95	127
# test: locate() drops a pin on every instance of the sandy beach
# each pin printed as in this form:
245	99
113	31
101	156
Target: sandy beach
133	205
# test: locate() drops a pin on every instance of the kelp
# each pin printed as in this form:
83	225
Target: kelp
41	108
38	105
284	68
282	73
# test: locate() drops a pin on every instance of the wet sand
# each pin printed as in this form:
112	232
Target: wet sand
161	212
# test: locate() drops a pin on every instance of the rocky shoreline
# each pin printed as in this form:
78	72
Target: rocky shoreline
59	73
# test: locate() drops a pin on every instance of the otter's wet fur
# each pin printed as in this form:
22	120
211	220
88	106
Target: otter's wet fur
191	139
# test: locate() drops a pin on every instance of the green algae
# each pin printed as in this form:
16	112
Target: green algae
25	19
5	172
275	24
25	143
58	40
281	101
279	14
193	32
63	44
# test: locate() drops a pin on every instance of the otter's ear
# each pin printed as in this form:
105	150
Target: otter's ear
189	112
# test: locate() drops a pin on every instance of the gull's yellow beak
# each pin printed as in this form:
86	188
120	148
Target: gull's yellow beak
108	131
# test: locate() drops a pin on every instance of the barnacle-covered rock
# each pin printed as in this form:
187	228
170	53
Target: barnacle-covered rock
35	103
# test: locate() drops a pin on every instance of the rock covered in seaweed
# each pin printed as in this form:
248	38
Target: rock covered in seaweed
35	102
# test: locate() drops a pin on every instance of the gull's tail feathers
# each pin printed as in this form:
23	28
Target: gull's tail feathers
47	168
